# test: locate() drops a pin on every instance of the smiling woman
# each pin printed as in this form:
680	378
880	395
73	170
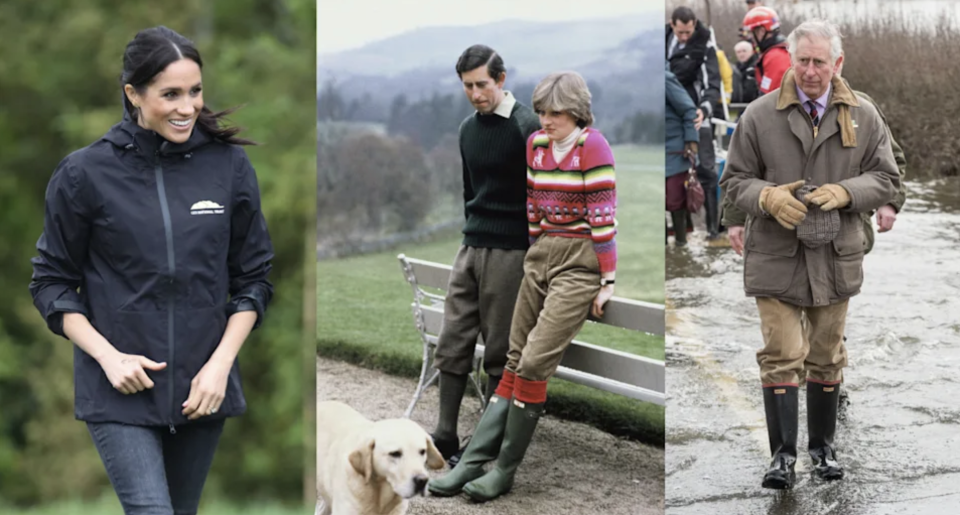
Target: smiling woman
163	89
129	274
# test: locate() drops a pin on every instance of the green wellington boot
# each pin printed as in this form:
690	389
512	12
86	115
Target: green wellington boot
484	446
521	423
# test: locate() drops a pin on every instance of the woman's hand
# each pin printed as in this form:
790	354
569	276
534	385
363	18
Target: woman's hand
207	389
605	293
127	372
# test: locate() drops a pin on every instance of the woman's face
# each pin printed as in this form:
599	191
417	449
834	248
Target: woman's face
171	102
557	124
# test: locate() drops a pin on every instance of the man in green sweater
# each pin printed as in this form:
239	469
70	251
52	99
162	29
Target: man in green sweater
488	268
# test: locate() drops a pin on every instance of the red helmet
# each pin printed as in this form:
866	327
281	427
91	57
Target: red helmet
761	17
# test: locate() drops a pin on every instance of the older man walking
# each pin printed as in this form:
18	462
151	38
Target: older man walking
803	164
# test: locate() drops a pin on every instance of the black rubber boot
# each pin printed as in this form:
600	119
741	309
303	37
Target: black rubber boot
484	446
448	447
679	219
711	213
780	404
822	403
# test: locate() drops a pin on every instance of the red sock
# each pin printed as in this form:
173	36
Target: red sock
532	392
505	388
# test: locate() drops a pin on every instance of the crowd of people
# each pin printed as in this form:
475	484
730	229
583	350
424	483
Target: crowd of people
696	64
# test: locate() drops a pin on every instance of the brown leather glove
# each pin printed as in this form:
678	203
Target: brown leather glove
829	197
781	204
690	149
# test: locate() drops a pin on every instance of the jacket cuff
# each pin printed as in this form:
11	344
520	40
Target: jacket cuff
55	314
750	198
707	110
855	203
733	217
250	300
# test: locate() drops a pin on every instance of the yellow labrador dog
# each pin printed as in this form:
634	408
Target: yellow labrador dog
369	468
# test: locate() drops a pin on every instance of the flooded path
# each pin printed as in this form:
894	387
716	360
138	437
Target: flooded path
899	436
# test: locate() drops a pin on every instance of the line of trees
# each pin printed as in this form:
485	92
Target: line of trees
914	90
370	183
384	167
425	121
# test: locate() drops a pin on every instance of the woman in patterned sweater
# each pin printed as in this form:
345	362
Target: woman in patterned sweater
568	273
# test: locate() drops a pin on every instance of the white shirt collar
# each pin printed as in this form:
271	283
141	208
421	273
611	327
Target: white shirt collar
505	108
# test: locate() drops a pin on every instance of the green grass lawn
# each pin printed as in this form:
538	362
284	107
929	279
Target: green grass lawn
364	315
109	505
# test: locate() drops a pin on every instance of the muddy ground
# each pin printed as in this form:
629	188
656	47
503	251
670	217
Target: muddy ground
570	468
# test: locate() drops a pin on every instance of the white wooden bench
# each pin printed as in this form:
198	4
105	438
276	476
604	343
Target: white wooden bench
583	363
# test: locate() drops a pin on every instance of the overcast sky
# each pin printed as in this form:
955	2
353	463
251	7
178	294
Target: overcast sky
345	24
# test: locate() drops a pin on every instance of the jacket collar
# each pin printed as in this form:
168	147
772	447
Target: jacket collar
841	93
128	134
776	40
841	96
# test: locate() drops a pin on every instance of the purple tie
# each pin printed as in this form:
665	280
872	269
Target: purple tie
814	115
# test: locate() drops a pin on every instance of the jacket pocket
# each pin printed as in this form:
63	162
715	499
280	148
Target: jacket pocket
199	332
848	250
771	261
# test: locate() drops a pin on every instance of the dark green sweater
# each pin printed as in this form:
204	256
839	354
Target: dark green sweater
494	154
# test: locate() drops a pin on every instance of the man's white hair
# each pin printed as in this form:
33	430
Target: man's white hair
817	29
743	44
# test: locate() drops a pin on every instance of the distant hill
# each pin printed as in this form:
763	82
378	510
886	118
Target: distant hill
623	56
533	48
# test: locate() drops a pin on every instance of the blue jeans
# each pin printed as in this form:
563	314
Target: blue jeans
154	472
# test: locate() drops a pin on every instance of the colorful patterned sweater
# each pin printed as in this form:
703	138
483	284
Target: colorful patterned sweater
576	198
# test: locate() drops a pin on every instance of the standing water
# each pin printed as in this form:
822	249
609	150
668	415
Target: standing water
899	437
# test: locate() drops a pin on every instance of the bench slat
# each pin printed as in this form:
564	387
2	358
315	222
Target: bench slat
431	275
583	363
620	312
602	383
634	315
620	366
632	372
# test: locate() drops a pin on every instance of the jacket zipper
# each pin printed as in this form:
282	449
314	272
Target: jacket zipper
171	269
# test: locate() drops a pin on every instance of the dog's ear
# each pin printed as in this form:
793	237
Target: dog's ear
362	459
434	459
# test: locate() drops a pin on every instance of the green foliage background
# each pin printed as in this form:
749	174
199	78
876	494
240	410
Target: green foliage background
59	91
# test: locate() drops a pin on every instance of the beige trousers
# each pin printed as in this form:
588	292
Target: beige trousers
560	282
792	345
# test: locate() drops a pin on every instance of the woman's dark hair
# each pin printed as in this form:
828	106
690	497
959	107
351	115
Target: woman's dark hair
149	53
477	56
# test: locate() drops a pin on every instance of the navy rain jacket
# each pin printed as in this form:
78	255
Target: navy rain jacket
157	244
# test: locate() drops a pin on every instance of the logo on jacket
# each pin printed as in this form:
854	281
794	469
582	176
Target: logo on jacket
206	207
